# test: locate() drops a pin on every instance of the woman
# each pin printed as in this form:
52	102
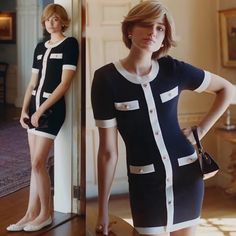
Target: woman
43	111
138	96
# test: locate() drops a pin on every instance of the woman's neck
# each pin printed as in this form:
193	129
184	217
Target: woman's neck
137	63
55	38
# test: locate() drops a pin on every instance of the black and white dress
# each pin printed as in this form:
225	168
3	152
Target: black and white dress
49	62
165	180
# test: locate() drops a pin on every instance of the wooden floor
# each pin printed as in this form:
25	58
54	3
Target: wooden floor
12	208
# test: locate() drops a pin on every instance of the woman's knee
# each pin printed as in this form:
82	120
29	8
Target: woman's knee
38	165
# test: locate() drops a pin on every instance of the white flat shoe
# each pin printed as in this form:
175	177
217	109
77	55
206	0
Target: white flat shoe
31	228
16	227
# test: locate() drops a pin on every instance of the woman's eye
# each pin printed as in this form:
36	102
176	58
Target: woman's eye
160	28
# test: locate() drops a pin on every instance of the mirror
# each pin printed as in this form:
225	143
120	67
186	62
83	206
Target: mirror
29	33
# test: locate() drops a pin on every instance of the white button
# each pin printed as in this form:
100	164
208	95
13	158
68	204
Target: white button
140	170
151	110
144	85
167	179
169	202
156	133
164	157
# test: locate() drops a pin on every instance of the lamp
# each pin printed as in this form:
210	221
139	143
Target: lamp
228	125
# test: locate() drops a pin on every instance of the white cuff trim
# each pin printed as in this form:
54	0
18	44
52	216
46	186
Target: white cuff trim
106	123
35	71
69	67
205	83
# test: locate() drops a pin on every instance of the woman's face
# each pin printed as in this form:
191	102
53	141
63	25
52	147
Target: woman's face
53	24
148	37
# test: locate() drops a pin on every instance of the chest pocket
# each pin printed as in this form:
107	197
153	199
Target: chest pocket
56	56
127	106
167	96
39	57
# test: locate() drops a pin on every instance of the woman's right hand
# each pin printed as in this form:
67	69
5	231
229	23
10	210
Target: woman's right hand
23	116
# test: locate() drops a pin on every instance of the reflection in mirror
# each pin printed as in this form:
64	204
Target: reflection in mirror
15	164
104	47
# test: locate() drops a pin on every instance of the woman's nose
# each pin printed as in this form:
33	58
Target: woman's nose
152	31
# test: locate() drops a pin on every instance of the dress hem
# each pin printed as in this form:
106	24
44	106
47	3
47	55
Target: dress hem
165	229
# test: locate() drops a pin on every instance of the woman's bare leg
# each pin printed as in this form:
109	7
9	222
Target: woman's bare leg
39	171
190	231
33	208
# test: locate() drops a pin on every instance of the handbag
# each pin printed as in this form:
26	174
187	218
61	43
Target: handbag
208	165
43	120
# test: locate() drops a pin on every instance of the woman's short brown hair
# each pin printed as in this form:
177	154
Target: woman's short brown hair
51	9
148	12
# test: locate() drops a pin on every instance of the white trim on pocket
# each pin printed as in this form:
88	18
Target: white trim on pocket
56	56
46	95
127	106
187	159
141	169
33	92
39	57
166	96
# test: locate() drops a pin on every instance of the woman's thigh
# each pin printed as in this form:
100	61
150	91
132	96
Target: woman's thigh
39	147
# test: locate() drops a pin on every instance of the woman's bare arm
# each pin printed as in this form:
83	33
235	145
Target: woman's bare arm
107	160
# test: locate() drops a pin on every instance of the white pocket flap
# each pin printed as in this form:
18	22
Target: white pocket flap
46	95
166	96
127	106
56	56
187	159
141	169
39	57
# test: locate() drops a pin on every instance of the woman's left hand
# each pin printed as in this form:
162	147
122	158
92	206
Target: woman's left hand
35	119
189	135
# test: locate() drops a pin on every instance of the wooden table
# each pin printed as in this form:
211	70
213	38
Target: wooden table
228	135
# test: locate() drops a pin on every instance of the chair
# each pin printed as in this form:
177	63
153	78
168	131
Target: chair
3	75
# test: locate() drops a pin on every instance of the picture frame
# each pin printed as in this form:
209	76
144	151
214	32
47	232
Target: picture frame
228	37
7	27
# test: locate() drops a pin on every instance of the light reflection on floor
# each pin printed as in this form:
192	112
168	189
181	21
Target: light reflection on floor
217	227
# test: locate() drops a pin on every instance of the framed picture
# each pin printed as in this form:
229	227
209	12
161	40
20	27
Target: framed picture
7	27
228	37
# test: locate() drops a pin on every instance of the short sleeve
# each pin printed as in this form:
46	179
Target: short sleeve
102	102
70	54
35	66
187	76
192	78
